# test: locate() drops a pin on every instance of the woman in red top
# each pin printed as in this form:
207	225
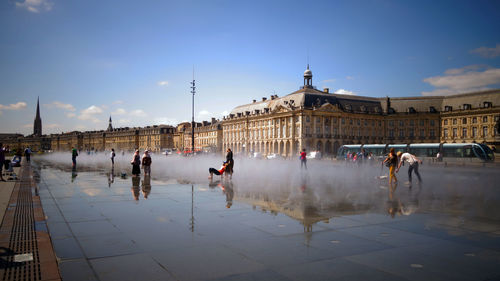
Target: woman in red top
303	158
213	171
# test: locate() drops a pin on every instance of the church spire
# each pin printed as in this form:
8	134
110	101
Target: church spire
110	126
37	126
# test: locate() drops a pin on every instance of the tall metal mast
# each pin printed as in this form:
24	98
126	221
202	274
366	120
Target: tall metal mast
193	91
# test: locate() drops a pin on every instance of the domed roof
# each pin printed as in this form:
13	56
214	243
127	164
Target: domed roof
308	73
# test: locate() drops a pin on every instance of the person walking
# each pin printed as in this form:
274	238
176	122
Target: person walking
303	159
391	161
146	163
2	160
27	153
112	156
136	164
74	154
230	163
413	161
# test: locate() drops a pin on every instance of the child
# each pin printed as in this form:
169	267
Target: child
213	171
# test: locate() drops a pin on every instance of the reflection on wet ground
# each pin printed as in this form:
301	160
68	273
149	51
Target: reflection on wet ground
109	226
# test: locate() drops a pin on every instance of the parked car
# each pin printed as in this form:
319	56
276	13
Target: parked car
256	155
273	156
314	155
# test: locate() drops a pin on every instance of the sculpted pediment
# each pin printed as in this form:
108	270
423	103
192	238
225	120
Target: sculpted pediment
328	107
280	108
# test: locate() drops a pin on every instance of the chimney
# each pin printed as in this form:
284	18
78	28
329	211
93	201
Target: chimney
254	101
326	90
264	98
213	120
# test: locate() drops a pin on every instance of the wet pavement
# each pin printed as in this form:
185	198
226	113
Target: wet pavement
105	227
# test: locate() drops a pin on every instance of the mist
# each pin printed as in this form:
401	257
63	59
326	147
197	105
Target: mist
327	185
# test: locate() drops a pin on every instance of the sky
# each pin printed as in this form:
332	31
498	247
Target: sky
134	60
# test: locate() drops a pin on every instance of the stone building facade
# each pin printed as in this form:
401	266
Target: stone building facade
208	136
323	121
472	117
308	118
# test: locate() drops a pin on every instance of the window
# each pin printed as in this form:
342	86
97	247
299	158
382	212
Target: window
318	130
464	132
308	119
454	132
350	121
422	133
454	121
318	119
485	119
380	123
421	122
485	131
432	123
412	133
359	122
343	121
445	133
401	133
335	120
412	122
474	120
335	131
464	121
401	123
432	133
391	133
391	123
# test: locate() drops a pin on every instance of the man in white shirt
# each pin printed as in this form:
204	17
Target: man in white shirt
413	161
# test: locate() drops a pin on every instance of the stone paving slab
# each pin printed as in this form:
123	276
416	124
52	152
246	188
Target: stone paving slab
184	232
27	252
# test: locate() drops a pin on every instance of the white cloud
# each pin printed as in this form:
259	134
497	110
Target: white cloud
486	52
166	121
13	106
204	114
36	6
455	71
328	81
162	83
52	126
349	77
344	92
224	113
70	115
80	128
124	121
119	111
461	80
89	113
57	104
138	113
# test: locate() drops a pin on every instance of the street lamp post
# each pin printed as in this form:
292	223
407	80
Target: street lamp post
193	91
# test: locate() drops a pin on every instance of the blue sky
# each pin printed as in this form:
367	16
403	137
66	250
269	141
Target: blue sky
133	60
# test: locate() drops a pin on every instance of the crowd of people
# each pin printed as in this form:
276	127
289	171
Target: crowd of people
8	165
